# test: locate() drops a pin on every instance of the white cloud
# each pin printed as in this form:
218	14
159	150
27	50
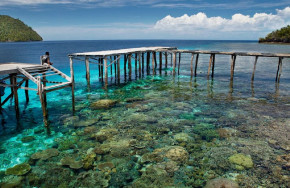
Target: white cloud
32	2
200	24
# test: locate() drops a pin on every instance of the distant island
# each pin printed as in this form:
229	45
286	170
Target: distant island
280	36
14	30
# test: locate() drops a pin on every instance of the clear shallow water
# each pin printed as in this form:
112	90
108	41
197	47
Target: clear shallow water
138	142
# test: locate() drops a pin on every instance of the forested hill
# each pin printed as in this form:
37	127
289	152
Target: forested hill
14	30
282	35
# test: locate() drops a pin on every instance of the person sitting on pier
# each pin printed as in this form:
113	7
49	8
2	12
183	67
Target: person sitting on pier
45	59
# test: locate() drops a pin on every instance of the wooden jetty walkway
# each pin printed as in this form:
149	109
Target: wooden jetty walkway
108	59
20	73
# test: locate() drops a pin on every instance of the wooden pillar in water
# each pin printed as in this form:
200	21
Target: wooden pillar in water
191	65
148	63
87	69
153	62
142	63
279	70
233	66
139	64
14	89
118	68
160	62
72	84
106	71
102	69
155	59
254	69
43	106
179	59
211	66
174	62
26	91
196	62
130	66
115	67
125	70
136	62
166	60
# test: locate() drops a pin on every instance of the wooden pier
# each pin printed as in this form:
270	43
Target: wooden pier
16	74
107	59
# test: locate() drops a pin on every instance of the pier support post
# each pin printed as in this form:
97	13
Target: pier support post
139	64
211	66
142	63
118	68
254	69
233	66
125	70
87	70
106	71
130	66
191	65
160	62
174	63
148	63
153	63
26	91
136	64
196	62
179	59
43	106
72	84
14	88
279	70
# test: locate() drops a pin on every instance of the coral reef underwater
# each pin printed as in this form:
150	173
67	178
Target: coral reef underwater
155	133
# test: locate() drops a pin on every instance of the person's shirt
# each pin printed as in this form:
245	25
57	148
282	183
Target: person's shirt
44	59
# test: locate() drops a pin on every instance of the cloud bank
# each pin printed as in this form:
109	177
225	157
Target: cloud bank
201	23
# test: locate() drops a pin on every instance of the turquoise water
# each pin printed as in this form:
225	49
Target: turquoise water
159	131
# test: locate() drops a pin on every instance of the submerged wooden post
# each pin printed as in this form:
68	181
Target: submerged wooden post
213	64
72	83
153	63
279	70
179	59
125	70
160	62
166	60
14	88
118	68
196	62
155	59
209	65
43	106
233	66
102	69
136	62
106	71
142	63
129	65
148	63
26	91
115	67
174	62
87	69
139	64
255	63
191	65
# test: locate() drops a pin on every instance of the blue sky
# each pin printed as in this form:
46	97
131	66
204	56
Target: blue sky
150	19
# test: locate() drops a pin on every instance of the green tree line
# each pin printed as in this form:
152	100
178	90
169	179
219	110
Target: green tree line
281	35
14	30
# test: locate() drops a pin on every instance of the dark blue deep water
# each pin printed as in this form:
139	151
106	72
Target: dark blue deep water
163	131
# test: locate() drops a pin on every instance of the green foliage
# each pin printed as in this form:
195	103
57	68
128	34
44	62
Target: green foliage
14	30
281	35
